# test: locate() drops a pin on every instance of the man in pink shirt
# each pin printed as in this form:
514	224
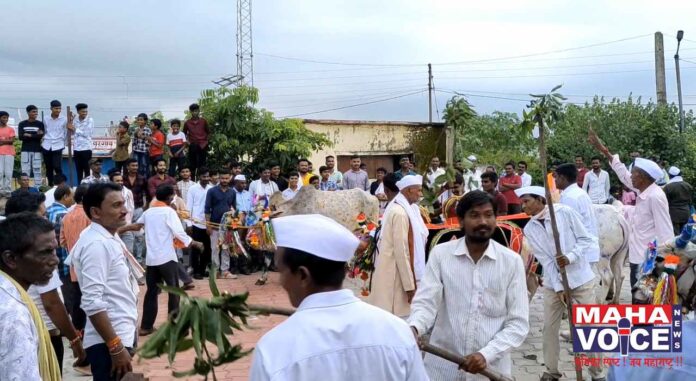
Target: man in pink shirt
649	218
507	185
7	152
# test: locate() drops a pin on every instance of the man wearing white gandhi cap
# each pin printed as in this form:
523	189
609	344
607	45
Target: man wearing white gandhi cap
333	335
400	262
649	218
575	244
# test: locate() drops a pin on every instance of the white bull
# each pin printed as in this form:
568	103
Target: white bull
613	244
341	206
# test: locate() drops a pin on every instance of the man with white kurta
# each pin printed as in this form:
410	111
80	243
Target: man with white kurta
573	196
649	218
333	335
575	243
400	260
489	313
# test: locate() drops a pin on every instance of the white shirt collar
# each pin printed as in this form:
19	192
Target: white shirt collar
328	299
462	249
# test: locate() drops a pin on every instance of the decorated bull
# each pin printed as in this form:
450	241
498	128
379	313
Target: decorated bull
341	206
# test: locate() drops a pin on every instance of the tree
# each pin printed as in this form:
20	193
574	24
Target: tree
626	126
494	139
242	132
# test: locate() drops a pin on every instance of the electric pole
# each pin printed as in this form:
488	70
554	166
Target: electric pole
680	35
660	69
430	93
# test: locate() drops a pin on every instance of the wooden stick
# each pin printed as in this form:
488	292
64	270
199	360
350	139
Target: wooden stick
491	374
452	357
70	153
557	241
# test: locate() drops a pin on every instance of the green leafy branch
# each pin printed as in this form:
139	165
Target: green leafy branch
201	322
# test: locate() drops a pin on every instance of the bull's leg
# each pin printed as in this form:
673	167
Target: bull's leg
266	264
617	263
605	275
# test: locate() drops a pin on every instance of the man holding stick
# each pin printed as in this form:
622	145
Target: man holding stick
575	243
489	314
332	335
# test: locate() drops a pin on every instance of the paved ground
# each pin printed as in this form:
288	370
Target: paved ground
527	360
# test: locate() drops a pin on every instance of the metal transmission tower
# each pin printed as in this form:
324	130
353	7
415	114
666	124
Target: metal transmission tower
245	52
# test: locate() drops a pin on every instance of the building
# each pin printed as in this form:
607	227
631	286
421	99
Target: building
381	144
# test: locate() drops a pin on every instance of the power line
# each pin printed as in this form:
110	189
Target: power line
355	105
456	62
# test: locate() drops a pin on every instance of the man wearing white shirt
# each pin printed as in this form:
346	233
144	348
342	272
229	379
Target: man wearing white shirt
109	287
434	171
565	177
333	335
597	183
263	188
293	186
163	231
128	237
82	129
54	141
490	315
522	171
195	204
58	180
575	243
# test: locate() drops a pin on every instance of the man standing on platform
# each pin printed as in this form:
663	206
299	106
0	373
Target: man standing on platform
54	141
30	132
649	219
197	132
490	315
82	128
401	246
332	335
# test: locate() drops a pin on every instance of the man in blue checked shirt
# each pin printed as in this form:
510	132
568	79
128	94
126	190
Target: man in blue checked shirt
55	213
326	184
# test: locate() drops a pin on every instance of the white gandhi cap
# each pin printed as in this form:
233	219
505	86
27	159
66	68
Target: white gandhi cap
240	178
650	167
408	181
535	190
317	235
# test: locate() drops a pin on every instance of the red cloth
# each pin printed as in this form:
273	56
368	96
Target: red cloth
196	131
159	137
500	202
581	176
510	195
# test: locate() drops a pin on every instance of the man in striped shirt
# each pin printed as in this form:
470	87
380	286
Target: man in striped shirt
490	314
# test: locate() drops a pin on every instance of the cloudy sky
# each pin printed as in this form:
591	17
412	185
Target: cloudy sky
319	58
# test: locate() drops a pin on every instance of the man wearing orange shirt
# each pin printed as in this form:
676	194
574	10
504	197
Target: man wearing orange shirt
157	141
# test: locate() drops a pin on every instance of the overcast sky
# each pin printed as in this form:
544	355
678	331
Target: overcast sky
129	56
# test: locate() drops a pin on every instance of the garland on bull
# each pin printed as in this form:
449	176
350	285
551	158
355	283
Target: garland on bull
363	263
658	283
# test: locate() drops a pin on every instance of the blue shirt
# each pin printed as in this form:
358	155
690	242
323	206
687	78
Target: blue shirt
218	202
685	372
28	190
327	186
244	203
55	214
399	175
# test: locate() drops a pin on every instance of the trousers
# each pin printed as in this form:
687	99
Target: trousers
553	313
31	163
169	273
52	161
82	164
6	168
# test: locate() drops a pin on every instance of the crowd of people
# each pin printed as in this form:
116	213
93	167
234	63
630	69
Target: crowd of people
72	260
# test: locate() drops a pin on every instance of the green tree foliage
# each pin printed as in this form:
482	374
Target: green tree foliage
494	139
626	126
252	136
